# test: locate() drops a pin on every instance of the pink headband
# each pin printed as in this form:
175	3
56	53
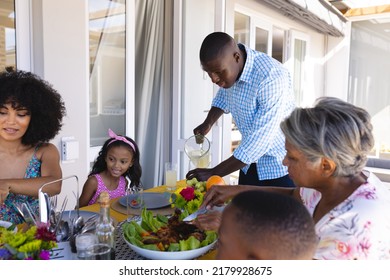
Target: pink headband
119	138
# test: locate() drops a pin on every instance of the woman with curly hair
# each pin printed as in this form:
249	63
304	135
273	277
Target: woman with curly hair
31	113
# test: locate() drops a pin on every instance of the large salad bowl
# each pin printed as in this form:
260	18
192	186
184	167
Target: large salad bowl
136	234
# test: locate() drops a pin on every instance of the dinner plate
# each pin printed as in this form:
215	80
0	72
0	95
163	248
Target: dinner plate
151	200
6	224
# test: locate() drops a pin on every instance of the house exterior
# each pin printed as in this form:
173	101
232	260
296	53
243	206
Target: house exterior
132	65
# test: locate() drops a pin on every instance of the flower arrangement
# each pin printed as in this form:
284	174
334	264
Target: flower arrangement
187	199
32	244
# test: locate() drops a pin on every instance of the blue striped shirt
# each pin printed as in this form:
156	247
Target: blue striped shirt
258	101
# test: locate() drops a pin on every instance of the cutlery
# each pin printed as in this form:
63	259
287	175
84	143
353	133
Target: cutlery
193	216
28	216
63	206
63	231
44	215
48	207
18	211
79	221
33	215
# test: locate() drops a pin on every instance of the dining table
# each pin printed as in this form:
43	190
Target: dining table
119	215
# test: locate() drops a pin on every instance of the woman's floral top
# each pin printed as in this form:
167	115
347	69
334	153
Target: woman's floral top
358	228
7	211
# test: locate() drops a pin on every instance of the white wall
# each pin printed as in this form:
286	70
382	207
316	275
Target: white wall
336	62
63	51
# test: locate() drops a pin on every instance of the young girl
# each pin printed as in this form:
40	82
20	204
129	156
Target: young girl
118	158
31	113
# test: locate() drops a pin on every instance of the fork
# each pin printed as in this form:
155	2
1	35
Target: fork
63	206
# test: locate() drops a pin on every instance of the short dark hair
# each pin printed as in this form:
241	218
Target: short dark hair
280	220
214	44
25	89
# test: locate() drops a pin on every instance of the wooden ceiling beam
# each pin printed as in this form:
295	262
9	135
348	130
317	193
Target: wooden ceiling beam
374	10
7	22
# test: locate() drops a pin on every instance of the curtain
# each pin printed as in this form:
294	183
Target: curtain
153	87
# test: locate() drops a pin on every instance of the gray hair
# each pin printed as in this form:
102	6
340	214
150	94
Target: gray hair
334	129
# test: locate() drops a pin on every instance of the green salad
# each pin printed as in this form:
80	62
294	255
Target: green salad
161	233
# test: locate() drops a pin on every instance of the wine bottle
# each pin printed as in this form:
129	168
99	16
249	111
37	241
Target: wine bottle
105	231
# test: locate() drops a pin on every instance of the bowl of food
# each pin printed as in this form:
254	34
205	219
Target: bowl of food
167	238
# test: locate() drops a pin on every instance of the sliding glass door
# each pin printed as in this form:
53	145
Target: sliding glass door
107	56
7	35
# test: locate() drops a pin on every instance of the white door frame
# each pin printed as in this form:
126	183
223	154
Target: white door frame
177	148
23	35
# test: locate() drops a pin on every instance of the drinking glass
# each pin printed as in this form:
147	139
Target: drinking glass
170	175
134	198
83	241
98	251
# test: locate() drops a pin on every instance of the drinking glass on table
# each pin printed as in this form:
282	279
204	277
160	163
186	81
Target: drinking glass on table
134	199
83	242
170	175
98	251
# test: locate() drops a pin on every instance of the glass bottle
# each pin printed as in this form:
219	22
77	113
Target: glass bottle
105	231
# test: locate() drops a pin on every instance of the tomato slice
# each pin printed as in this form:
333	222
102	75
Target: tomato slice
134	202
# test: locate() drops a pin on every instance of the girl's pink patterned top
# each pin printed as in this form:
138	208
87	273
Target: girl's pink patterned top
118	192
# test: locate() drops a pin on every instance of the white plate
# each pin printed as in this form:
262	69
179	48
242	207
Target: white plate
179	255
151	200
6	224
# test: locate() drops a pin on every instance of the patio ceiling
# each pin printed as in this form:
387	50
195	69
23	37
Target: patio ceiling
328	16
319	15
354	8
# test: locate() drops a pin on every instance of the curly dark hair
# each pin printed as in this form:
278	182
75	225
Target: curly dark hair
134	172
24	89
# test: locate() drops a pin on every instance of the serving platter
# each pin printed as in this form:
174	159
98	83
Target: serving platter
166	255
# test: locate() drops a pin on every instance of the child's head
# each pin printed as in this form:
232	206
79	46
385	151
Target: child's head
120	155
265	225
24	90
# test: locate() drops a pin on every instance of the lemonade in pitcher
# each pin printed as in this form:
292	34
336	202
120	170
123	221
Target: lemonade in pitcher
199	159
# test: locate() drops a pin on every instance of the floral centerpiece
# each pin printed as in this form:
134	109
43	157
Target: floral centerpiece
188	199
32	244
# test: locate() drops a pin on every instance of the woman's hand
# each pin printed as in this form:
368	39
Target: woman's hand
219	194
4	191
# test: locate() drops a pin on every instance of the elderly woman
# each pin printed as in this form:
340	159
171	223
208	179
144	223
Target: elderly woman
327	148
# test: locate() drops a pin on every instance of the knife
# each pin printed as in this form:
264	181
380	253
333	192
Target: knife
194	215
